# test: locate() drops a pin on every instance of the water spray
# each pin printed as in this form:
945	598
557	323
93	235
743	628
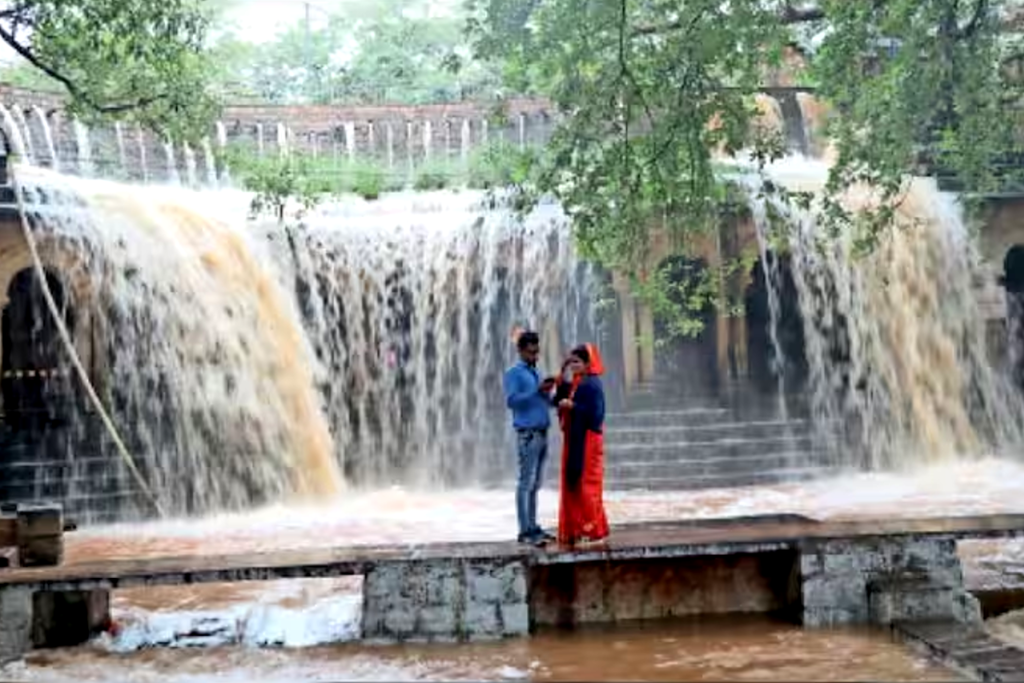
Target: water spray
69	346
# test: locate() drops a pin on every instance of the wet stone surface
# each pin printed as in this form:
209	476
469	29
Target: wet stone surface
967	649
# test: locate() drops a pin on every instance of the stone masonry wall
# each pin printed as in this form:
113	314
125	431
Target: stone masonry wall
446	600
884	580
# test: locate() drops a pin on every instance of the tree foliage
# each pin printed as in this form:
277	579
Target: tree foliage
652	92
142	60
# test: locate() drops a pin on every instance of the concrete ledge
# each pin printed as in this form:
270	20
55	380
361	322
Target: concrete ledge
971	651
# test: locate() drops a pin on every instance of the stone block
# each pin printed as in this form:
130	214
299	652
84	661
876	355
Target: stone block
826	617
40	520
383	580
842	563
40	551
846	592
811	564
399	623
437	622
15	622
514	585
484	588
515	619
444	590
481	621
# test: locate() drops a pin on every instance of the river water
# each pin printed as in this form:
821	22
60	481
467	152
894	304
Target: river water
278	630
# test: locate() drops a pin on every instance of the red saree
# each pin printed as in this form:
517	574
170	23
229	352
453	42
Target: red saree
581	515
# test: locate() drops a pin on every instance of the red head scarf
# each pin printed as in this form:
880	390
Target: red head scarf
596	364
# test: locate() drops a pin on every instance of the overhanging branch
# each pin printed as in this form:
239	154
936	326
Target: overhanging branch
25	53
788	15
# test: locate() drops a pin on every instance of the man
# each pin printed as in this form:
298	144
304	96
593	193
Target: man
529	399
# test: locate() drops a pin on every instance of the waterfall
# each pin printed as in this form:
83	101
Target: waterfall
207	363
51	148
371	140
350	140
428	139
447	139
222	144
389	134
410	154
84	147
465	141
259	140
172	165
522	132
485	133
140	137
210	162
894	341
282	139
14	133
409	301
121	153
22	122
191	175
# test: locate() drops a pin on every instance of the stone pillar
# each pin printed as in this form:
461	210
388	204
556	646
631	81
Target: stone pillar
15	622
630	369
883	580
40	530
645	349
445	600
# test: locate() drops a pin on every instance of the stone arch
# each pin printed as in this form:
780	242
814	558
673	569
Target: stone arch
691	361
762	354
35	369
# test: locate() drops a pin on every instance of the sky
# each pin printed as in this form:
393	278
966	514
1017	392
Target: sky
260	20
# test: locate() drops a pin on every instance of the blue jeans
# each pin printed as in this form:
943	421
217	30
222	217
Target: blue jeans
533	453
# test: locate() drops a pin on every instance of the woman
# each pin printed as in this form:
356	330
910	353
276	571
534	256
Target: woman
580	399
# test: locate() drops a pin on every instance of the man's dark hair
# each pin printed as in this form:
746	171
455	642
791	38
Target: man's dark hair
582	353
527	339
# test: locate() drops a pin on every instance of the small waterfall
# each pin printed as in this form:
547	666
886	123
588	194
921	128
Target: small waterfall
389	134
22	122
428	139
84	147
282	140
522	132
121	152
191	168
408	301
173	176
210	162
259	140
410	154
140	137
51	148
465	141
485	132
447	139
14	133
222	144
371	139
894	341
350	140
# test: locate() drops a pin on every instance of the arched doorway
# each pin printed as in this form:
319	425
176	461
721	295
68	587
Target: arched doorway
690	362
765	361
34	375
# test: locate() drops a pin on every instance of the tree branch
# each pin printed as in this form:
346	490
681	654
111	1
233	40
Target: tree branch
788	15
980	10
25	53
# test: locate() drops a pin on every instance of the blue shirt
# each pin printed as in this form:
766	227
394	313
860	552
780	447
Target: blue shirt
523	397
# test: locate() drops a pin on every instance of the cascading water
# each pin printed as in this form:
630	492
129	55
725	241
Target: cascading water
83	145
44	126
894	340
207	370
409	302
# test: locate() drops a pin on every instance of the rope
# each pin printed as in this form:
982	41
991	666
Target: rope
58	319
